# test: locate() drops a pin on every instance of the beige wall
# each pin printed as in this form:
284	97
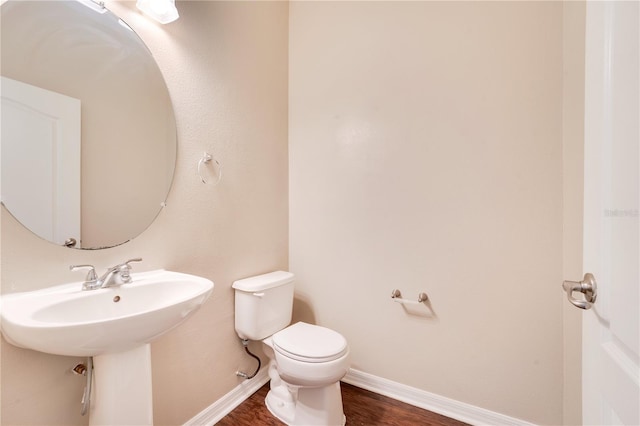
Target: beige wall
225	64
426	155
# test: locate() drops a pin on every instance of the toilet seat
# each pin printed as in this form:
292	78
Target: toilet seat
310	343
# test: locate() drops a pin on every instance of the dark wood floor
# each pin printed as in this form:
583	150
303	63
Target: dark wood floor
362	408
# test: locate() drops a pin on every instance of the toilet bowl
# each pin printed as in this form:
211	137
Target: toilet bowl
306	361
310	355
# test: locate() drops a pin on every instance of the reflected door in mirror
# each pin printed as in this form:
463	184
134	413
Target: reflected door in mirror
41	159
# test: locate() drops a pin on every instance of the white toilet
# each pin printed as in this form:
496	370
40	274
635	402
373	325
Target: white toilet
306	361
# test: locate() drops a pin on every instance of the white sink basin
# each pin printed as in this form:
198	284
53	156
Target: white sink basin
64	320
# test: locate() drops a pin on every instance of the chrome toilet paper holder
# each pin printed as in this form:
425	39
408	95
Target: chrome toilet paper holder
396	295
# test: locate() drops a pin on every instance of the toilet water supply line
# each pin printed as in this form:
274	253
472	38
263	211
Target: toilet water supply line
245	343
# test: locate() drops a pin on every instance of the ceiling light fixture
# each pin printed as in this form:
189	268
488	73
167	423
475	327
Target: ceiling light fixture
163	11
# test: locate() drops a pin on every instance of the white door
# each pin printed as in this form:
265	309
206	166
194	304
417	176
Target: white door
40	160
611	330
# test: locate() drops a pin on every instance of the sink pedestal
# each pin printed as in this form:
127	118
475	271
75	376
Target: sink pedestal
121	393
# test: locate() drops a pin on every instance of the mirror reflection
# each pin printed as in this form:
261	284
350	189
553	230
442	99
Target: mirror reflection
88	142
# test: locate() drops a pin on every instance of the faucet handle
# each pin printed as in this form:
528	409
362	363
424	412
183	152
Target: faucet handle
137	259
125	268
91	275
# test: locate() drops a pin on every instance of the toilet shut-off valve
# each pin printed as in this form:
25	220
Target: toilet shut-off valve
245	343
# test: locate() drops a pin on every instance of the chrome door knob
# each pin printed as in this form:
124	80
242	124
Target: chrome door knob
587	286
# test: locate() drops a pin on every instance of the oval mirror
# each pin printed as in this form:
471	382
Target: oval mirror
88	144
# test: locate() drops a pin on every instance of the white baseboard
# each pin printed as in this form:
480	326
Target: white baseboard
438	404
216	411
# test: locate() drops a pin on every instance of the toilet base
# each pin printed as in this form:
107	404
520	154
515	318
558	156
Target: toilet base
307	406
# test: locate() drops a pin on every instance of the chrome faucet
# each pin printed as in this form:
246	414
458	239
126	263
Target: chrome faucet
114	276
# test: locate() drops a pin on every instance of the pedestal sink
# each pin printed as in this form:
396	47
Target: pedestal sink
113	325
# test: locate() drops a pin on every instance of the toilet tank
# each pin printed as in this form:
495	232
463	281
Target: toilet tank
264	304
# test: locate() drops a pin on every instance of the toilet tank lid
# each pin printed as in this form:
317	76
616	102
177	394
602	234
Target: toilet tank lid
264	281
